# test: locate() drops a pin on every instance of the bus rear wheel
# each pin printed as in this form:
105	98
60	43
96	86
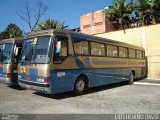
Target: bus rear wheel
131	78
80	86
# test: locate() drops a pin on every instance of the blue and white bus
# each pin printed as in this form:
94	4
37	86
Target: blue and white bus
10	50
56	61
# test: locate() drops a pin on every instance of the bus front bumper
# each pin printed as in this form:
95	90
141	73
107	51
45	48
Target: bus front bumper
40	87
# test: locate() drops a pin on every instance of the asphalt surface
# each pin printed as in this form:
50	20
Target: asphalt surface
110	99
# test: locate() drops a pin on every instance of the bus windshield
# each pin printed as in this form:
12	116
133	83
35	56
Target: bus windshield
6	54
26	50
1	48
41	50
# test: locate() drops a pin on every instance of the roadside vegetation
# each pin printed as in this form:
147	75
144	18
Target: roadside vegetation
134	13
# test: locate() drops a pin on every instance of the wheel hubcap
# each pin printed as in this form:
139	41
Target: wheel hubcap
80	85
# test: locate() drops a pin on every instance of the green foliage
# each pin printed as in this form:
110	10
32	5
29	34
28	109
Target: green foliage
3	35
142	10
154	12
120	12
12	31
51	24
146	11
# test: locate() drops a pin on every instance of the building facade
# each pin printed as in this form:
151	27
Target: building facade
147	37
95	23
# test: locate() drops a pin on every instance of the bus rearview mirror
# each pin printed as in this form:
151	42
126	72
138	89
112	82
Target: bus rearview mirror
58	47
16	51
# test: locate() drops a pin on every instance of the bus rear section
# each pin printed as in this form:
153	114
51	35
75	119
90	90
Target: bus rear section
9	56
61	61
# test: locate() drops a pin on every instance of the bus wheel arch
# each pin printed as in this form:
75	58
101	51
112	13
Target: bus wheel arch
81	84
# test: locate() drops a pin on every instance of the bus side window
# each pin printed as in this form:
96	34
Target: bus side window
132	53
139	54
123	52
80	46
97	49
60	49
112	51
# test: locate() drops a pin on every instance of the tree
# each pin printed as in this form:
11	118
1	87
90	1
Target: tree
12	31
154	10
3	35
26	15
51	24
120	12
142	11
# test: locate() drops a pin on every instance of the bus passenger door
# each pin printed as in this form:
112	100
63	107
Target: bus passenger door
60	77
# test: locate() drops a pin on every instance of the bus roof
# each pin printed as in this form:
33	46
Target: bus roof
82	36
11	40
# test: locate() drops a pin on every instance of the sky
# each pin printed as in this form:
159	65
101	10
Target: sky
68	11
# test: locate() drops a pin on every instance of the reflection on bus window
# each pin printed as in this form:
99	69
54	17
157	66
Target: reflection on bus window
7	53
97	49
139	54
132	53
61	49
81	47
26	50
41	50
1	49
123	52
111	50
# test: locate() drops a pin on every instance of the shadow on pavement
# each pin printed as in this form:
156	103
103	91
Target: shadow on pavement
90	91
148	81
17	87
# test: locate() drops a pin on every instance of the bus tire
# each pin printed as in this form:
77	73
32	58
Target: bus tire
131	78
80	86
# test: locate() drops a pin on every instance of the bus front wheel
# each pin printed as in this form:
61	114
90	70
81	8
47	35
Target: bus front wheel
80	86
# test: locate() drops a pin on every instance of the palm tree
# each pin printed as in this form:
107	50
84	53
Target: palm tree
154	10
120	12
51	24
142	11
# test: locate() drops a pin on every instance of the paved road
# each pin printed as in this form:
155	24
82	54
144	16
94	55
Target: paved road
117	98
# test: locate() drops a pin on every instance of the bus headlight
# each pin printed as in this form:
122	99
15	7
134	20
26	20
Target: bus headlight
40	79
19	76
